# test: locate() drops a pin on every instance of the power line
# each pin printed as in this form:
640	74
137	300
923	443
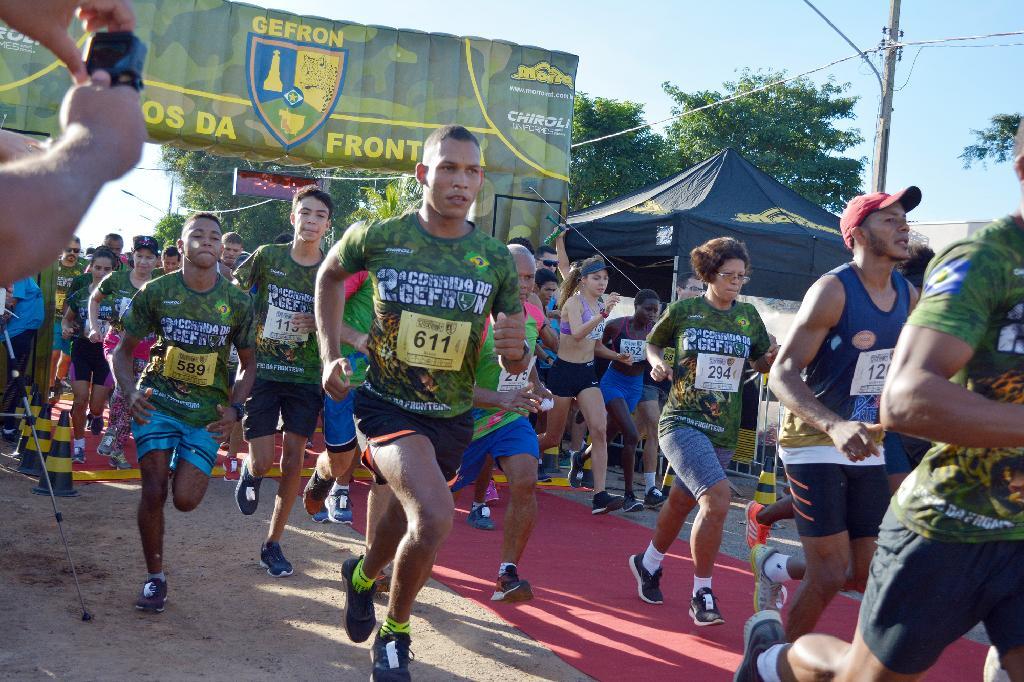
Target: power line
368	178
224	210
783	81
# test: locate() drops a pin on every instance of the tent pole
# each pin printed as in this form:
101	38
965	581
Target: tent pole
673	293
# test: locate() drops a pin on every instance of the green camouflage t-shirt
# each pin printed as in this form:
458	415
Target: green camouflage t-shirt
282	288
974	291
188	366
65	281
78	300
491	376
711	348
431	296
118	287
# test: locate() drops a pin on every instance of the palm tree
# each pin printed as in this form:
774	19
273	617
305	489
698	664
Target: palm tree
398	198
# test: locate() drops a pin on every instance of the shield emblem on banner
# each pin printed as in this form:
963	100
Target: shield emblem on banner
293	86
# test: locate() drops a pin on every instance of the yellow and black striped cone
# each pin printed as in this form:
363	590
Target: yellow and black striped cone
31	459
58	462
765	491
551	459
26	430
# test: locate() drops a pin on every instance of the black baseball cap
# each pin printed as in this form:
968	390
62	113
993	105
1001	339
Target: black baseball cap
146	242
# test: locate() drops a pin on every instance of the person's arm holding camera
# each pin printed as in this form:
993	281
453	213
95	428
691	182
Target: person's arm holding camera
101	139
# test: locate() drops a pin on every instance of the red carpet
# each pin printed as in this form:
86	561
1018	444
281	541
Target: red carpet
586	609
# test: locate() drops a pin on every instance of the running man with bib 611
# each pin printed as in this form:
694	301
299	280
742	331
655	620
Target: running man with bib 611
436	280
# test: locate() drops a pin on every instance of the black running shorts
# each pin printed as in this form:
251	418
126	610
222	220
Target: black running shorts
282	406
89	364
832	498
569	379
923	595
382	423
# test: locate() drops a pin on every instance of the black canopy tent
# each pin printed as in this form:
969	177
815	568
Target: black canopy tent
649	233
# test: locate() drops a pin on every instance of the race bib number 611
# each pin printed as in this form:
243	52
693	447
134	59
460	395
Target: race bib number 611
432	343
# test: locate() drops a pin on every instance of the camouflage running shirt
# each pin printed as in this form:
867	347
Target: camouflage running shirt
65	280
282	288
118	287
431	296
711	347
188	366
974	290
78	300
491	376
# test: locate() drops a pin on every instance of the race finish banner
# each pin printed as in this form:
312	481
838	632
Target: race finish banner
238	80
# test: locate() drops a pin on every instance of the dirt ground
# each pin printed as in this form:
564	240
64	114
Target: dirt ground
226	619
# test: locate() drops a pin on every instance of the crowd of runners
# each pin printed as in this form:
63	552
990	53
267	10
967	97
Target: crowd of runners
432	353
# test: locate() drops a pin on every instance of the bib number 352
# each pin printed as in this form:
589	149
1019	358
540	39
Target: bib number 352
432	343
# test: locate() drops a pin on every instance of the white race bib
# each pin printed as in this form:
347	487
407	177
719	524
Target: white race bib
718	372
507	383
636	348
279	326
233	356
869	375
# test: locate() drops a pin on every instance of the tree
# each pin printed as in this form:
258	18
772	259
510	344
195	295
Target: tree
399	197
606	169
994	143
206	184
789	131
168	230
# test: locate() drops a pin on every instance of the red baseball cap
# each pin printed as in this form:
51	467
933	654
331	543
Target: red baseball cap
863	205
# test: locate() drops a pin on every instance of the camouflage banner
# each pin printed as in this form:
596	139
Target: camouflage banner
237	80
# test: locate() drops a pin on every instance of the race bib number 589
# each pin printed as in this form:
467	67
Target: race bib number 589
192	368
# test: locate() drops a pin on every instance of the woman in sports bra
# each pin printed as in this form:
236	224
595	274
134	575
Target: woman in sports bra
572	374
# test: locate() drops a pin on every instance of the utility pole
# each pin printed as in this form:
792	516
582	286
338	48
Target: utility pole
881	161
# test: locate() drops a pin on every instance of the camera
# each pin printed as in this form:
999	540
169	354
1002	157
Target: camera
120	54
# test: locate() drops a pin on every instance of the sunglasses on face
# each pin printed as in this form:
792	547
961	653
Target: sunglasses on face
549	263
72	251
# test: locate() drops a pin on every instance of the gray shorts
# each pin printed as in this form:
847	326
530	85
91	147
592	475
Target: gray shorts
698	465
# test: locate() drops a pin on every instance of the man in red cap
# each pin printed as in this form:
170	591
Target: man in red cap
831	442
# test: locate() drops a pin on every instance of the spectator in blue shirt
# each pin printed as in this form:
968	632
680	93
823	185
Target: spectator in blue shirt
25	299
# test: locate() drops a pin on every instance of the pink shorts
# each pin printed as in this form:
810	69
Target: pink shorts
112	338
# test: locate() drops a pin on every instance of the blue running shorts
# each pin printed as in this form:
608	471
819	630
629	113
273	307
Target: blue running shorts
615	384
194	444
515	438
339	423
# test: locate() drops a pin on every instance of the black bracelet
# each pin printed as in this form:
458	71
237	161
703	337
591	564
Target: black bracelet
239	410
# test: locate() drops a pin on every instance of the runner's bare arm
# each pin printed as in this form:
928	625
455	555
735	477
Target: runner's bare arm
94	315
660	370
68	322
522	401
573	312
820	311
540	389
563	258
329	307
510	342
603	351
549	338
919	400
246	375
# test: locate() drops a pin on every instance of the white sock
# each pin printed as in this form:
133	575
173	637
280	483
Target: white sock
649	480
503	565
79	442
776	568
337	486
700	583
652	558
477	505
768	663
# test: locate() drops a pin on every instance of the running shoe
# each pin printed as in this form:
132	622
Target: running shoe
10	435
153	596
704	608
54	395
757	533
491	494
510	588
654	499
322	516
96	424
119	461
79	454
360	620
993	670
338	510
768	594
647	583
575	469
247	490
106	446
480	518
605	502
272	559
390	655
542	474
631	504
315	492
762	631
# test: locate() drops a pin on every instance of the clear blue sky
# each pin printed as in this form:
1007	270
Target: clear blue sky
627	50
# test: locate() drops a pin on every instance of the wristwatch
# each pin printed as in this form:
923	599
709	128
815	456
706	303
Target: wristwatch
239	410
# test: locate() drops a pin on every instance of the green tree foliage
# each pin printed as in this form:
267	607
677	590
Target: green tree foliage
206	184
168	229
789	131
612	167
994	143
399	197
